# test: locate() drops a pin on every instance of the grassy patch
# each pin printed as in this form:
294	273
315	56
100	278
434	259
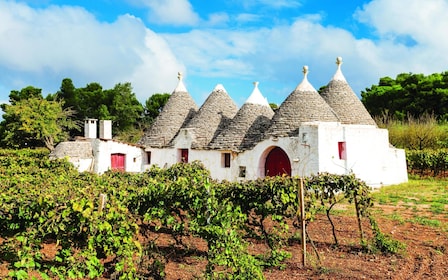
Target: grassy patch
415	192
425	221
429	195
396	217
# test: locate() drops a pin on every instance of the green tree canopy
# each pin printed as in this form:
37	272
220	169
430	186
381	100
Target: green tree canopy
25	93
409	95
34	121
153	106
118	104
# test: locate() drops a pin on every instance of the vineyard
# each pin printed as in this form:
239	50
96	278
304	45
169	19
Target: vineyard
102	227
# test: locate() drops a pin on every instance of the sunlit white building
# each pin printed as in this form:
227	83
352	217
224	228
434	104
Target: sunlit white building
309	133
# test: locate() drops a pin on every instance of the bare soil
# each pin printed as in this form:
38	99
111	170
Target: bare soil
425	256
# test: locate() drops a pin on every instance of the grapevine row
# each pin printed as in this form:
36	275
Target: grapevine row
96	221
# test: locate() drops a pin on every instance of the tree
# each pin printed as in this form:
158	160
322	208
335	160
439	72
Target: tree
125	109
34	120
118	104
273	106
25	93
153	106
409	95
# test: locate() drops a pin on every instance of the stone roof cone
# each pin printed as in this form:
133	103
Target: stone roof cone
341	98
247	127
215	114
176	113
304	104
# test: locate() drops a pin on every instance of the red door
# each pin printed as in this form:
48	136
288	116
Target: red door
117	162
184	155
277	163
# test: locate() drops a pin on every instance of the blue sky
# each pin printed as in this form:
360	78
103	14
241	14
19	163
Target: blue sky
233	42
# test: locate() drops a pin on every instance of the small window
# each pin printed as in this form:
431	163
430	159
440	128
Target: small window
342	150
226	160
184	155
148	157
242	172
134	159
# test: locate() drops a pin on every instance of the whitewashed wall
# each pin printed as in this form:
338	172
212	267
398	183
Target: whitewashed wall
314	150
102	149
369	155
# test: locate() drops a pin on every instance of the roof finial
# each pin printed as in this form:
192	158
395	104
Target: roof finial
305	70
339	61
180	84
256	97
338	75
305	85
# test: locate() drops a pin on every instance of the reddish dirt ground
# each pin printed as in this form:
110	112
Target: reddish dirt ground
425	257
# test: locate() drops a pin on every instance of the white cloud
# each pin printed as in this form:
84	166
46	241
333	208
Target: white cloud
424	22
218	19
43	46
278	53
246	18
171	12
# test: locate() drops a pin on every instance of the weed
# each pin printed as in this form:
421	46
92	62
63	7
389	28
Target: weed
437	208
425	221
396	217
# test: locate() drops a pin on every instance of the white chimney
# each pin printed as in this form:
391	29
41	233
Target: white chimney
90	128
105	129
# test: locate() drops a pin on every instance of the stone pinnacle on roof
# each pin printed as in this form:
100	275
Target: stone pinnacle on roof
304	104
305	85
247	127
180	85
338	76
256	97
215	114
341	98
176	113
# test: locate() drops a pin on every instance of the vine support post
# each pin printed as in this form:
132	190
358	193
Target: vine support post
302	220
358	216
102	202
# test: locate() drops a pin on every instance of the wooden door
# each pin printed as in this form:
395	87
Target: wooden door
277	163
117	162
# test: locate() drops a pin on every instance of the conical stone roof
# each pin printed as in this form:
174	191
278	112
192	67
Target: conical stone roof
341	98
215	114
304	104
247	127
176	113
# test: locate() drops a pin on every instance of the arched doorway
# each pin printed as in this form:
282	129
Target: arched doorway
277	163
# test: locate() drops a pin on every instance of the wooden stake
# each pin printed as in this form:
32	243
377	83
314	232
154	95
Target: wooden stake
102	204
302	221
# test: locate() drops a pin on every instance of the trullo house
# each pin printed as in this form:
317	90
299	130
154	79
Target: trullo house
309	133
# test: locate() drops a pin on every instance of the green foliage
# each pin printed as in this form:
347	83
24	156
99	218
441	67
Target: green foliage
118	104
43	201
35	118
153	106
432	162
330	189
409	95
384	243
419	133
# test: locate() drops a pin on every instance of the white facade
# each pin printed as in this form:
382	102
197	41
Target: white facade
309	133
317	149
103	150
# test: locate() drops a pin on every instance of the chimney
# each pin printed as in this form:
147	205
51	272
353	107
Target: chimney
90	128
106	129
